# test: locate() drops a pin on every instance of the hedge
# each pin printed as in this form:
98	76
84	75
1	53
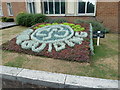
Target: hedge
6	19
95	24
26	19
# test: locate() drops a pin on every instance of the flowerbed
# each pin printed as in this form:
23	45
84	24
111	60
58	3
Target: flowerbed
66	41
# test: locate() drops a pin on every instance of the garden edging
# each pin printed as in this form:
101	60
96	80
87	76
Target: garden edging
55	80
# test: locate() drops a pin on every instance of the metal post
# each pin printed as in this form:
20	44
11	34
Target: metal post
98	41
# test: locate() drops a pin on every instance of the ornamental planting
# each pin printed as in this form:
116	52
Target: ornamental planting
57	36
66	41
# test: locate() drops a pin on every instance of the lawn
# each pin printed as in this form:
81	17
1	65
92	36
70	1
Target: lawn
104	64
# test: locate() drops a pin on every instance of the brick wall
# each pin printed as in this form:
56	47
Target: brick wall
107	12
119	17
17	7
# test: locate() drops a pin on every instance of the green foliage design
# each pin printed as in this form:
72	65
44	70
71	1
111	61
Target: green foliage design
73	26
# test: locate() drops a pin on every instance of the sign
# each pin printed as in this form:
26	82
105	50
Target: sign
100	34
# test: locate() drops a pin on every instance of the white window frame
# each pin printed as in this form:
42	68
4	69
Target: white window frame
1	10
28	8
53	8
9	8
86	14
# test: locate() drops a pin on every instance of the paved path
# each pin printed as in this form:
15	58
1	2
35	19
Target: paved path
6	24
55	80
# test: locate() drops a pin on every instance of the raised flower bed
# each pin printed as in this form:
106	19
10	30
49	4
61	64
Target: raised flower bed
66	41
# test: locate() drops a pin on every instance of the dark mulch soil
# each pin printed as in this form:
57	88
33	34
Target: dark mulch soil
77	53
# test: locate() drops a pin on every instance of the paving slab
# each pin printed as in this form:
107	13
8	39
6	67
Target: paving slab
7	24
81	81
9	72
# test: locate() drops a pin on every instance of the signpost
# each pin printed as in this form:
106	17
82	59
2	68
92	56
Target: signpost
98	35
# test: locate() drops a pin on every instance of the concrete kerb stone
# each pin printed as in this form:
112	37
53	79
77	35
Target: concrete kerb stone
55	80
89	82
42	78
10	72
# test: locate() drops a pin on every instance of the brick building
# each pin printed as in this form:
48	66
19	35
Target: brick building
105	12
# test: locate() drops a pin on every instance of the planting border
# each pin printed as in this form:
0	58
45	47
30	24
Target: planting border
78	53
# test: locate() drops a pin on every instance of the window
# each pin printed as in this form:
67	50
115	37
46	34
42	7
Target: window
54	6
1	12
86	7
31	7
10	12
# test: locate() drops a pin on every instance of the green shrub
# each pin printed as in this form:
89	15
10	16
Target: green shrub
57	20
98	26
80	21
20	19
9	20
5	19
28	20
48	20
95	24
39	18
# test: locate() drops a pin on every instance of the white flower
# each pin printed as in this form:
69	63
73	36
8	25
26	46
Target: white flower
82	34
65	35
51	34
59	46
38	49
76	40
69	43
27	32
50	47
25	35
27	44
21	38
56	36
